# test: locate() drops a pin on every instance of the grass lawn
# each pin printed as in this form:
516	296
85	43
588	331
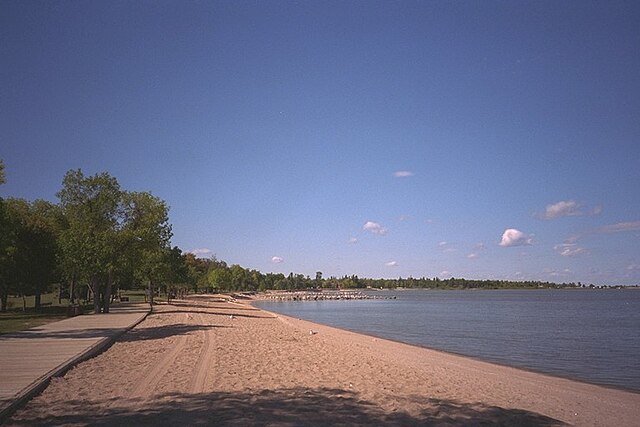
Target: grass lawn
15	319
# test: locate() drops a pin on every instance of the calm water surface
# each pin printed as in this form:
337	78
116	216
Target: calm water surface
589	335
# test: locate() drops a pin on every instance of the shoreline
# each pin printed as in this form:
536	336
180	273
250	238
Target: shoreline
452	353
600	394
206	360
505	328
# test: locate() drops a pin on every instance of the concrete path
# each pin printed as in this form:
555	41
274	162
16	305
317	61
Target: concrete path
29	359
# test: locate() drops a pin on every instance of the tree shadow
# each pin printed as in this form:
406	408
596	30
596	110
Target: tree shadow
71	333
222	306
137	334
284	407
160	313
160	332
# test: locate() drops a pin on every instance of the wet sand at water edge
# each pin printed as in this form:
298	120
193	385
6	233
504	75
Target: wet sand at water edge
205	360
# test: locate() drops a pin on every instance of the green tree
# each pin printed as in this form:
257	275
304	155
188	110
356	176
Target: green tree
219	278
147	233
29	259
90	242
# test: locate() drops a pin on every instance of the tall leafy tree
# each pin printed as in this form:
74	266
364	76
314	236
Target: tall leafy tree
29	258
92	206
146	228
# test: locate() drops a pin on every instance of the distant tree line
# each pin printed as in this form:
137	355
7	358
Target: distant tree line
99	239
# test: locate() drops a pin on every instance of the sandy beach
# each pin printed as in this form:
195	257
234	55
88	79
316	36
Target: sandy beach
205	360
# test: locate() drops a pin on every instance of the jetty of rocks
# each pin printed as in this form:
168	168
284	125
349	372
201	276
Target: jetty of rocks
317	296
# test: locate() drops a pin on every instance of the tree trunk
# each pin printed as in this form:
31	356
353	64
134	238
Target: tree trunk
151	292
94	284
38	299
107	294
3	301
72	290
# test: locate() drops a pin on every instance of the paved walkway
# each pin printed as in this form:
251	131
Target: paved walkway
29	359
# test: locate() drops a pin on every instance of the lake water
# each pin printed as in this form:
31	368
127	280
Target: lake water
588	335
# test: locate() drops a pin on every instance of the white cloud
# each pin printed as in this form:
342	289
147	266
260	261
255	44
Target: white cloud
514	237
446	247
200	251
569	249
472	255
352	240
445	274
596	210
620	227
560	209
556	273
375	228
277	259
404	218
402	174
391	264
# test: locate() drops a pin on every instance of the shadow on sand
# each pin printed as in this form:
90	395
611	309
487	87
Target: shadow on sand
157	332
160	313
285	407
160	332
218	306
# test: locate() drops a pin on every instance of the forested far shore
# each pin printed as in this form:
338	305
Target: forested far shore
100	239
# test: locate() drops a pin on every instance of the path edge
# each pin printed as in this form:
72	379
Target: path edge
39	385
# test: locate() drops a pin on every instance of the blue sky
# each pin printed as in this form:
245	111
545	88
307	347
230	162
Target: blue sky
492	139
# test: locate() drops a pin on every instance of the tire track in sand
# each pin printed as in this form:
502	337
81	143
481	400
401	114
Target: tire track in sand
206	361
151	379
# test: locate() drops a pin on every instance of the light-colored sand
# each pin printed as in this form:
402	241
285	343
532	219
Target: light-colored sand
191	363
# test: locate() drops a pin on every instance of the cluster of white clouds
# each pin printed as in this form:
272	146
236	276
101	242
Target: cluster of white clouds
560	209
375	228
565	208
277	259
569	249
515	237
